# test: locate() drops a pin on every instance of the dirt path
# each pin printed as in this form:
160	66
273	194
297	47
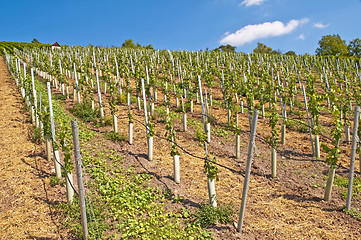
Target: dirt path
25	211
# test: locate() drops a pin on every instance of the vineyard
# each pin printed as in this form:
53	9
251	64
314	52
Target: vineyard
196	145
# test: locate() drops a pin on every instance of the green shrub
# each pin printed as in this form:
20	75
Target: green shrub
208	215
115	137
108	121
85	112
353	213
122	98
35	135
56	181
343	183
59	97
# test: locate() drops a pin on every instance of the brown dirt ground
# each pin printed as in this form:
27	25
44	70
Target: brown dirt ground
25	197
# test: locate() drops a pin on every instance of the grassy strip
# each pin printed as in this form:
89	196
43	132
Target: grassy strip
125	206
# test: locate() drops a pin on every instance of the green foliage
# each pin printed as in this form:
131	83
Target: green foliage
208	215
35	135
170	133
130	44
122	98
353	213
85	112
201	135
354	47
112	100
226	48
72	213
297	126
220	132
115	137
9	46
56	181
262	48
64	134
126	207
291	53
130	116
315	103
343	182
335	152
151	127
160	114
332	45
59	97
178	199
108	121
273	120
35	40
211	169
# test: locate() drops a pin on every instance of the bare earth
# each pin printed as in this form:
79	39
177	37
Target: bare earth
25	209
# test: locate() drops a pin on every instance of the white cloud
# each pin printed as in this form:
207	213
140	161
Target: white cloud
252	2
301	36
319	25
250	33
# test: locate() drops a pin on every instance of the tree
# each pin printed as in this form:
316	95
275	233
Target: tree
262	48
150	46
354	47
276	52
35	40
226	48
332	45
290	53
128	44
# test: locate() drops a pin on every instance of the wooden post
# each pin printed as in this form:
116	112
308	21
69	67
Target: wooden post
353	154
248	170
74	126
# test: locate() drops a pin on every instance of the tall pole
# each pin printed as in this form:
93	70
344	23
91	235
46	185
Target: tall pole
74	126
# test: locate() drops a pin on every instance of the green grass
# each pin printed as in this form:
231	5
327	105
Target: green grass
125	206
220	132
353	213
208	215
85	112
343	183
35	134
115	137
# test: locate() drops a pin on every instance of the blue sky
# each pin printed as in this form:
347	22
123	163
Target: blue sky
182	24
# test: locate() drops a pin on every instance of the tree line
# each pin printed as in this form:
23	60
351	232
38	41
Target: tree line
329	45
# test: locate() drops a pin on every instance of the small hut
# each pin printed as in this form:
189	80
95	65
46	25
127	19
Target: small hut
56	45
